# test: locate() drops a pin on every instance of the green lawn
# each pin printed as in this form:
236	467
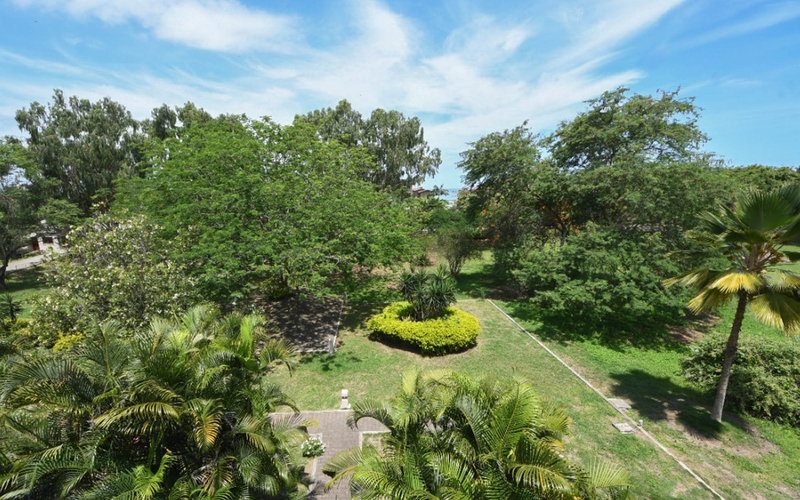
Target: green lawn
743	458
369	369
24	285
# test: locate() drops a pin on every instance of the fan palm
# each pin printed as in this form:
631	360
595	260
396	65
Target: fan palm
756	237
452	436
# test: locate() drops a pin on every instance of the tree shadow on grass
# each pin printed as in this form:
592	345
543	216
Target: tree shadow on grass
331	362
355	316
660	399
484	282
563	329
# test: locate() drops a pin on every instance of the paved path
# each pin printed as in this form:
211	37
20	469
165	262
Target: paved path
24	263
336	436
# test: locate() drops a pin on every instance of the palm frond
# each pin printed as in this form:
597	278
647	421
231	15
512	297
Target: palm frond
736	280
709	299
778	310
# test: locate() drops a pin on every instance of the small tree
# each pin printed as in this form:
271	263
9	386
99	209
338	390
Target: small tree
428	292
114	268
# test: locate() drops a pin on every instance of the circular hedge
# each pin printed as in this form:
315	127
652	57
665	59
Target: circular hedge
454	331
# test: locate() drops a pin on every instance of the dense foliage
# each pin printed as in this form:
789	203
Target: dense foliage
602	280
261	207
451	436
400	157
765	381
114	268
582	220
79	148
180	410
452	331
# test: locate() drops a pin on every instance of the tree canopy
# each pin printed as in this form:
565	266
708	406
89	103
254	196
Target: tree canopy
79	148
400	157
266	207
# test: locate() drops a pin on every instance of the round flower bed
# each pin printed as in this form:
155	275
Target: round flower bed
456	330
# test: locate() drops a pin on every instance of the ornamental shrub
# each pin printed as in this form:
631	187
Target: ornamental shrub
312	447
765	380
453	331
429	293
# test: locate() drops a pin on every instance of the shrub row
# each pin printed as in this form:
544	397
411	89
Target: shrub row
765	380
454	331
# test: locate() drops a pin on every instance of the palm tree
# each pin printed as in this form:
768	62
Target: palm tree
756	237
452	436
181	408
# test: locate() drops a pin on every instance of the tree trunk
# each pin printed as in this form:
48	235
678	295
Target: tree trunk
730	354
3	273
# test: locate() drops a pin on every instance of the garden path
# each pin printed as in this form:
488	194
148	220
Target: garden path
332	428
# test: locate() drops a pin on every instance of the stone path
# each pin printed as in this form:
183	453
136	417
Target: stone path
336	436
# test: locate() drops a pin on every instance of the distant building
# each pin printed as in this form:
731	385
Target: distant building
421	192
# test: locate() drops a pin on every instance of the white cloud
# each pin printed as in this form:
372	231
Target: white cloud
485	76
771	15
217	25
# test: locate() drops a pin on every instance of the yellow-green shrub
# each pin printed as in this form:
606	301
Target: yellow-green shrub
454	331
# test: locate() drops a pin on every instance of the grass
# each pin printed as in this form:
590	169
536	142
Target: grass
743	458
24	285
369	369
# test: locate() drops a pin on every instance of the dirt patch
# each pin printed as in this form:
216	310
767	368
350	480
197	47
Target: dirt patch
694	330
307	323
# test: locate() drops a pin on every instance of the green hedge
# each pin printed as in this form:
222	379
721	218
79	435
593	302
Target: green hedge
765	381
455	331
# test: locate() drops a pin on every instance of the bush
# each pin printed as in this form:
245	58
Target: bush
313	447
429	293
114	268
455	330
602	280
765	380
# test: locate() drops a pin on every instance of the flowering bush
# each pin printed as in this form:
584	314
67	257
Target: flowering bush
313	447
113	268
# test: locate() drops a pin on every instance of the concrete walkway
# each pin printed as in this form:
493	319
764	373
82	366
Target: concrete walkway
336	436
25	263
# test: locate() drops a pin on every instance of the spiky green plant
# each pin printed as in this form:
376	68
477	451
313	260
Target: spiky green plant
756	236
428	292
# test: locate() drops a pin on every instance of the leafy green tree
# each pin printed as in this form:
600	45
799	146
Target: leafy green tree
80	148
114	268
452	436
401	157
761	177
180	410
603	281
266	208
756	237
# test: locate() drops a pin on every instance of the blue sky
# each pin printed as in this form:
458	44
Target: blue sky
466	68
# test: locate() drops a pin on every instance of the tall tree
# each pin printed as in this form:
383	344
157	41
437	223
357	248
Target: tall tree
401	156
266	207
17	212
756	237
79	147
